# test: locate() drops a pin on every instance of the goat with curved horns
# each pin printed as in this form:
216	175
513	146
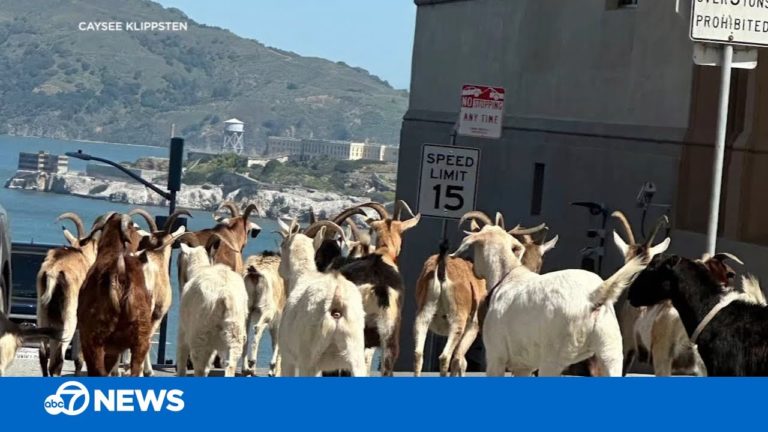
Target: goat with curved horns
378	278
730	332
58	285
323	320
156	270
543	322
234	232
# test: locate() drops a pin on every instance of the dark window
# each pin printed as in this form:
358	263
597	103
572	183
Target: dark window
538	188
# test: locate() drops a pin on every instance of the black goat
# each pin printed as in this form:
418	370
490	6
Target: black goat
734	342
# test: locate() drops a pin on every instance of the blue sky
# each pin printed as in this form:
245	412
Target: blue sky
374	34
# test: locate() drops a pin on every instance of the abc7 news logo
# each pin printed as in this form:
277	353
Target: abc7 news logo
77	398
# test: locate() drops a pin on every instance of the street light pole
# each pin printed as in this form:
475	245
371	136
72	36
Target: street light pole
175	158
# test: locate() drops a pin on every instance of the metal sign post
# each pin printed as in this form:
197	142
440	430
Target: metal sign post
717	166
726	24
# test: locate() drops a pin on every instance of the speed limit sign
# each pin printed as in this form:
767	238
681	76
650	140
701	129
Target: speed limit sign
447	186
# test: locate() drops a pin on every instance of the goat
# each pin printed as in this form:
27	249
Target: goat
114	304
730	333
157	269
543	322
322	327
58	284
212	314
266	300
448	295
13	336
232	233
381	285
450	301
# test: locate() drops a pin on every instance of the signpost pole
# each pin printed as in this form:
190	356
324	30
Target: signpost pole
452	143
719	154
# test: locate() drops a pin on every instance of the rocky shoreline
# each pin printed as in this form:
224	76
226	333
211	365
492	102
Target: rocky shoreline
274	201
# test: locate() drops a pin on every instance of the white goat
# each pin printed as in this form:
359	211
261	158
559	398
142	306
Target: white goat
323	320
266	300
212	314
549	321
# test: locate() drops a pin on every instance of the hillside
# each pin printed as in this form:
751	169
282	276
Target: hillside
130	86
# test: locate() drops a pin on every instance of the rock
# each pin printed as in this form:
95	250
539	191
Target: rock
272	203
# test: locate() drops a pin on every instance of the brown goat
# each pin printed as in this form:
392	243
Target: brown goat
451	299
156	272
233	234
58	284
115	306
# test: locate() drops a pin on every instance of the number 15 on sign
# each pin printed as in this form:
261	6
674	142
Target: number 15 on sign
448	181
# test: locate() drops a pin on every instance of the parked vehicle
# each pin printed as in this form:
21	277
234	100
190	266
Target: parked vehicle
5	261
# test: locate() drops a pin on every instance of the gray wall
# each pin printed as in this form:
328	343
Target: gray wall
600	96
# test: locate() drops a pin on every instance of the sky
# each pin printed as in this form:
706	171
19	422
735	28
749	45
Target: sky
376	35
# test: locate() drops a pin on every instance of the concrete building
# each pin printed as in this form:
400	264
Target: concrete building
599	99
308	148
44	162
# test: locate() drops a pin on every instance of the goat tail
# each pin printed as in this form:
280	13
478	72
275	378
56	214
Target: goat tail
47	285
610	290
337	303
751	287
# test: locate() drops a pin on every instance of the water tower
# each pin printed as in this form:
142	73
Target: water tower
233	136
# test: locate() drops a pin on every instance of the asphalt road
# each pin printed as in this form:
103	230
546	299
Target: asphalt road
27	365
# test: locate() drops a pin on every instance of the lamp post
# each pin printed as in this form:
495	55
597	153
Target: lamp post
176	155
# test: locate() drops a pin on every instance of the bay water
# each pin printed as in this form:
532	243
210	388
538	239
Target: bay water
33	214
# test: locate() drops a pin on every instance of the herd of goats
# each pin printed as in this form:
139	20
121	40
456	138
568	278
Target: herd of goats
334	294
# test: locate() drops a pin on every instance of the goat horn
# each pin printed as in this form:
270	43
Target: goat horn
231	206
722	256
500	220
476	215
401	205
379	208
347	214
356	234
100	221
250	209
664	220
75	220
125	223
625	223
147	217
312	230
189	238
518	230
172	219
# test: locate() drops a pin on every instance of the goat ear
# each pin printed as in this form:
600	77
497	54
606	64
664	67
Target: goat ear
185	248
465	244
284	228
73	241
660	248
317	241
623	247
473	225
410	223
546	247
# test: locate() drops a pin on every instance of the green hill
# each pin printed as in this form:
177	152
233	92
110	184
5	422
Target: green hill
128	86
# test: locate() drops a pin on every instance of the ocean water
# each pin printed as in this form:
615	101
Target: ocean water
33	214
